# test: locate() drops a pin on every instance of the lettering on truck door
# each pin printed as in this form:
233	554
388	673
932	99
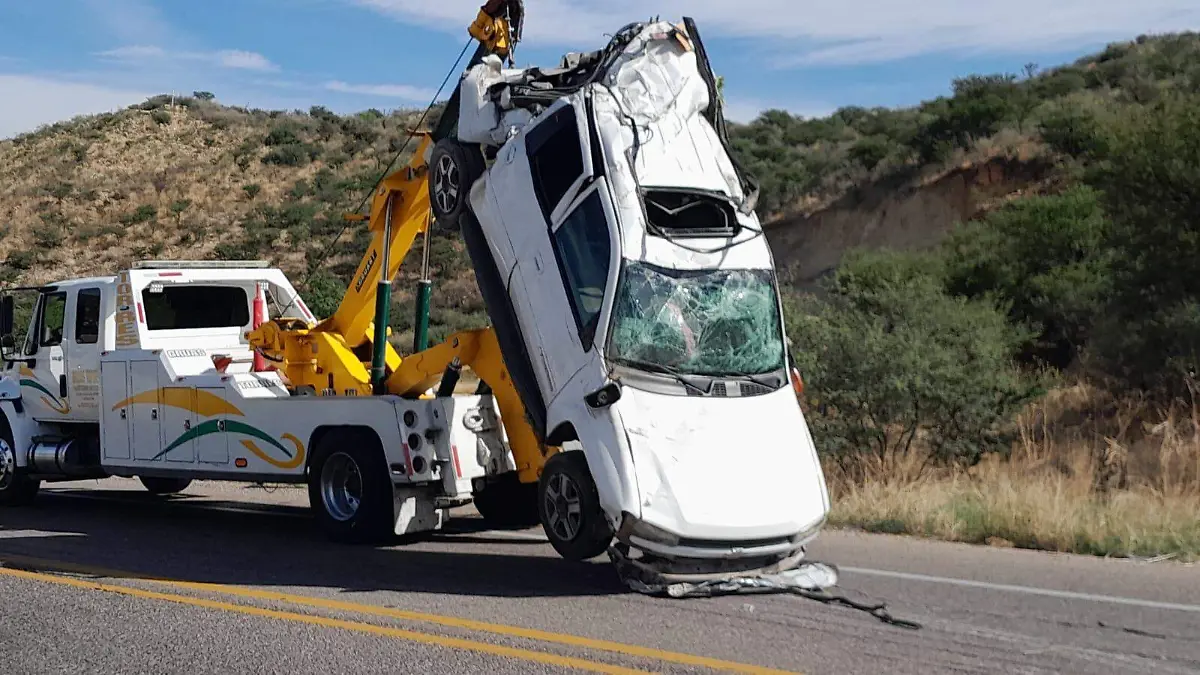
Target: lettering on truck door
83	355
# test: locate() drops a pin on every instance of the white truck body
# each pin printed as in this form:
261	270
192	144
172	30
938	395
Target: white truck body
148	373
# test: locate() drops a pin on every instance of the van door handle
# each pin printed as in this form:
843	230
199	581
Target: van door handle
62	386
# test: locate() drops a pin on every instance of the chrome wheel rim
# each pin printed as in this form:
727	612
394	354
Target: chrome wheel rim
445	184
8	464
564	507
341	487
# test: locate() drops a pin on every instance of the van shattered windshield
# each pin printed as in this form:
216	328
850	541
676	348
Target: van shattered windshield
697	322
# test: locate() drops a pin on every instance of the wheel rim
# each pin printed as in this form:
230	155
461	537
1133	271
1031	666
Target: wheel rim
8	464
564	508
446	184
341	487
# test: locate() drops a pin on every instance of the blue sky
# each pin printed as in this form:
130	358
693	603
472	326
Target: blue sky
60	58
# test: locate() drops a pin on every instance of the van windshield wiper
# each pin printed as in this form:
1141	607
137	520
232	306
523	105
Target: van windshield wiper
760	379
680	376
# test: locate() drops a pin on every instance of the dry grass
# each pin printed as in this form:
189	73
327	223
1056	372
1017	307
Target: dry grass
1088	475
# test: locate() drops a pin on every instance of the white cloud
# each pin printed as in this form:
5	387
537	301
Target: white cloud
230	58
31	101
243	60
836	31
400	91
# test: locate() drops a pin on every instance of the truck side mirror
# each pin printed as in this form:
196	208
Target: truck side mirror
7	344
6	315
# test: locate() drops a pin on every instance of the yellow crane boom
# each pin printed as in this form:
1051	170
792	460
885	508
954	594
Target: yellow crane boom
348	353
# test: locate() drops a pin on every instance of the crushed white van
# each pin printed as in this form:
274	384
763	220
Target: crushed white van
636	299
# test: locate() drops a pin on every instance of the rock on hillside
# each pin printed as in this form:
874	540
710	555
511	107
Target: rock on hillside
885	215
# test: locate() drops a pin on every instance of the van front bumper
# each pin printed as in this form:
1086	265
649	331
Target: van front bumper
678	558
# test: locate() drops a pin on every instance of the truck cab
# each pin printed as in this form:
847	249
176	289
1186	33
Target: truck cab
639	295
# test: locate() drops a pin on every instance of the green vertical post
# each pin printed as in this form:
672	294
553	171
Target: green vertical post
383	302
424	293
421	330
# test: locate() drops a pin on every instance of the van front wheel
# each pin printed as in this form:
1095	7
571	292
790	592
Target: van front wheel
569	507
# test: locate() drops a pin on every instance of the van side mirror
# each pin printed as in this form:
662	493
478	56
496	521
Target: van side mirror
7	344
6	315
604	396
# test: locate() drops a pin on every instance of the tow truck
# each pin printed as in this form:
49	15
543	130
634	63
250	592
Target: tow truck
637	395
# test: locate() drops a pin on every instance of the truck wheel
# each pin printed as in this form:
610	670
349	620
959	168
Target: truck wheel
164	486
570	508
350	490
16	489
453	169
508	503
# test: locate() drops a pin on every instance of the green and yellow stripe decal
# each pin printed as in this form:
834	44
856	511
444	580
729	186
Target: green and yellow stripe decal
205	404
29	379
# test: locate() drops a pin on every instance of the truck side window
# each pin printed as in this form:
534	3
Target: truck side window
582	248
54	314
87	316
555	157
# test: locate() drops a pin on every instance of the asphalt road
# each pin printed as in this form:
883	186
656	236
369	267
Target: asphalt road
103	578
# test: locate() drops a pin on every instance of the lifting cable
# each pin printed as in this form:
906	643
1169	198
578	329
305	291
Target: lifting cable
387	170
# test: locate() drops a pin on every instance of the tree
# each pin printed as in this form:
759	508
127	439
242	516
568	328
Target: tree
890	356
1149	173
1047	259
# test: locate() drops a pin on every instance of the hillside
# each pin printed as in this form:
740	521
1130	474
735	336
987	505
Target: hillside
189	178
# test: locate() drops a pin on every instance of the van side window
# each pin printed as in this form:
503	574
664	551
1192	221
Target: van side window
54	314
87	316
555	157
582	248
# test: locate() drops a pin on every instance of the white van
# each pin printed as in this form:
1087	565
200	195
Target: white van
638	289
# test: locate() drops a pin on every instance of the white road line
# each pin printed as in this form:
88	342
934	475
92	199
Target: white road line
1027	590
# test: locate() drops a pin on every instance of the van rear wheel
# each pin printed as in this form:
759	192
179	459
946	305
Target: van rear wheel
569	506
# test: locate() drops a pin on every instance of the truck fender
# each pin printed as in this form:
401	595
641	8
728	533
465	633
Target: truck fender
10	389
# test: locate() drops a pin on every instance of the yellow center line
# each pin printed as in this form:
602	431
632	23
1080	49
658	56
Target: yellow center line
420	617
413	636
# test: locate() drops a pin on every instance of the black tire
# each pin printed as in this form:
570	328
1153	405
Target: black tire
453	169
164	486
508	503
354	458
566	479
16	488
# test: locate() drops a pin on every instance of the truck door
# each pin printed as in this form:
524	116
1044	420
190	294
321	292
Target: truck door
83	354
44	382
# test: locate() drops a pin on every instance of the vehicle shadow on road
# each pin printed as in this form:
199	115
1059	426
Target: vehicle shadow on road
141	535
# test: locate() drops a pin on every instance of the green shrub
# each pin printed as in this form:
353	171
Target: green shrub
1149	173
1047	259
889	355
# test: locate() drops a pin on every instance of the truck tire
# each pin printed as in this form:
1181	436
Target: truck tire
164	486
508	503
349	488
16	488
570	508
453	169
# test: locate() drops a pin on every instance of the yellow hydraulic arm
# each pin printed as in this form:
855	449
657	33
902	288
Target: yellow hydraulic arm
339	356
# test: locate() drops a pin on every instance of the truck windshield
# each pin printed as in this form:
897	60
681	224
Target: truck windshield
698	322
